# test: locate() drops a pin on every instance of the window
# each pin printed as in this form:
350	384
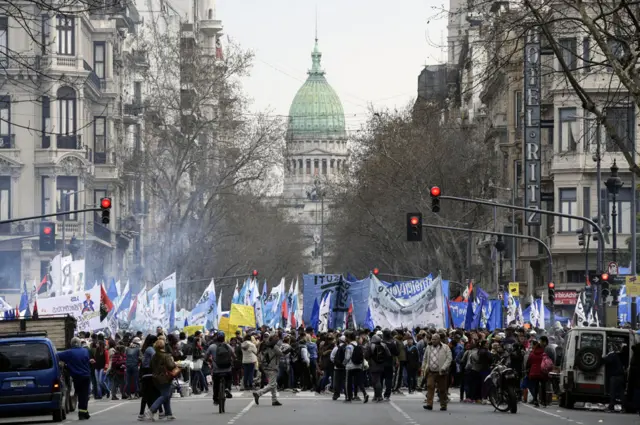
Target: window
100	140
586	54
4	42
308	171
568	139
590	132
67	198
99	58
5	122
45	32
568	50
623	209
300	168
66	35
5	203
517	108
46	122
623	120
586	202
67	118
137	93
316	167
568	205
575	276
617	50
25	356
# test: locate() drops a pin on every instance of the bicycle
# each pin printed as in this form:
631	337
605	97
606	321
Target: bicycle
222	394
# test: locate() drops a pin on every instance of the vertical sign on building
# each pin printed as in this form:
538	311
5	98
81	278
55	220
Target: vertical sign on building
532	152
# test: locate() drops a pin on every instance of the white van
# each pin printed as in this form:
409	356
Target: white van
582	377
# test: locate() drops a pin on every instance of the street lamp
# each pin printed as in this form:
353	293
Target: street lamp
613	184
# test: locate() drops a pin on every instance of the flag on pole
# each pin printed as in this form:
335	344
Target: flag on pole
315	315
23	309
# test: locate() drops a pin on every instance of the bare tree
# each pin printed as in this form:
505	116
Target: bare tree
399	158
593	50
201	154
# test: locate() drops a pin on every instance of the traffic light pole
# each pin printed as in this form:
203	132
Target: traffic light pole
488	232
36	217
535	210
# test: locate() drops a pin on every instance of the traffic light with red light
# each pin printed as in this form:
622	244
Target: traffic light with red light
254	273
551	292
435	199
105	206
376	271
414	227
47	236
604	285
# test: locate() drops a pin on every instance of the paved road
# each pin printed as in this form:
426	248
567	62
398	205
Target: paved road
309	409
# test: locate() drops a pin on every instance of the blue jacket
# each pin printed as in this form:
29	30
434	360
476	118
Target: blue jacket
77	361
312	348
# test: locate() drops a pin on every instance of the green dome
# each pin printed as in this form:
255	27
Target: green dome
316	111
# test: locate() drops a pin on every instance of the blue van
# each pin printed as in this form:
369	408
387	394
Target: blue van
31	378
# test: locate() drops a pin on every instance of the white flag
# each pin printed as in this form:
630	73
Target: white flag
541	314
323	325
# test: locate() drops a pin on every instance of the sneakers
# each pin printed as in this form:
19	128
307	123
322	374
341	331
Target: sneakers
427	407
366	398
276	403
256	398
149	415
170	418
142	418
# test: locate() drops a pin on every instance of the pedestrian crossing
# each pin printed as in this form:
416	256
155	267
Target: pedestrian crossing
453	397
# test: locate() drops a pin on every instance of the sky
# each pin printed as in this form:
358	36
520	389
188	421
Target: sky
372	50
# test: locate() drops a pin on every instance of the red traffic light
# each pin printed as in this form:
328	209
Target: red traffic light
47	230
605	276
414	221
552	285
105	203
255	273
376	271
435	191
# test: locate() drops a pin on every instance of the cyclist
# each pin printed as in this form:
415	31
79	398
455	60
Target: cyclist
221	356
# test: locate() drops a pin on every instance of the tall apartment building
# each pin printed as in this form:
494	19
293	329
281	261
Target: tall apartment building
70	114
492	98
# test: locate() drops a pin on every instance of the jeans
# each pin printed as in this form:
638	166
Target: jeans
616	390
164	400
412	378
82	387
399	375
376	383
339	376
247	379
355	382
99	374
131	380
388	380
197	378
328	373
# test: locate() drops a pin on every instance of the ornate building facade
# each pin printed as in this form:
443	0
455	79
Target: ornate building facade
316	153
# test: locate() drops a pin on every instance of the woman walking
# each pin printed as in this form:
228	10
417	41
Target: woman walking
163	369
149	392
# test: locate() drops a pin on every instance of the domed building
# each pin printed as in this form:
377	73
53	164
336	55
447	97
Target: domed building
316	153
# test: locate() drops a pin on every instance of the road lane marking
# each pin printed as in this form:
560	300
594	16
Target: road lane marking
108	408
242	412
409	419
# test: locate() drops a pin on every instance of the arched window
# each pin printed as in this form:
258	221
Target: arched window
210	14
66	97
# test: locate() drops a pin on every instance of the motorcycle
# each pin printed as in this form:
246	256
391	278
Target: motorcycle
504	386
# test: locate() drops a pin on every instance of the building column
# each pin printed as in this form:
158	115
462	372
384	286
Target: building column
54	117
27	257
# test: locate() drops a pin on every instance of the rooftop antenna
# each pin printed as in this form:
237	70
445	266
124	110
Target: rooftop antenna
316	23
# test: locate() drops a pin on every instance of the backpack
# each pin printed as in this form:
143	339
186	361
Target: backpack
357	357
223	356
339	359
546	366
380	354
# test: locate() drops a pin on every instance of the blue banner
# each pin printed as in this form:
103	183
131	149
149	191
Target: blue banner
491	310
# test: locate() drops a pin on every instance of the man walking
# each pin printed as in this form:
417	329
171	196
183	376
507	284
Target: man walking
270	355
435	366
77	361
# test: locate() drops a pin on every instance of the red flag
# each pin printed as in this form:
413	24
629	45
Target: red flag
285	310
132	311
42	286
105	303
294	324
35	310
219	54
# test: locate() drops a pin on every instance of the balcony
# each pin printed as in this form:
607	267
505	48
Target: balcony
62	144
75	227
93	79
8	141
20	62
21	228
132	112
109	86
105	166
101	232
126	16
61	63
140	58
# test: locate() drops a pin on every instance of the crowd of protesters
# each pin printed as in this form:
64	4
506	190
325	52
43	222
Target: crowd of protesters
342	363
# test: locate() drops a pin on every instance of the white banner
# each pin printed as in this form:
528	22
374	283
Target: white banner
84	306
422	308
